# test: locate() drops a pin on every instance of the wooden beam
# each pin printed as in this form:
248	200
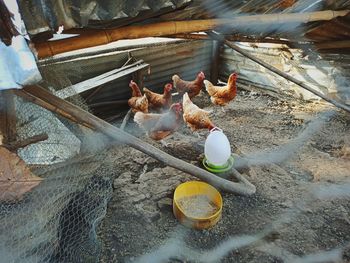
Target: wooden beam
102	37
58	110
278	72
101	79
7	117
244	187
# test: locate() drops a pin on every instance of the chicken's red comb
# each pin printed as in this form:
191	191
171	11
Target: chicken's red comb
168	86
235	75
176	106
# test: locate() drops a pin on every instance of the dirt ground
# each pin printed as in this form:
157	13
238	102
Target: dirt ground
140	219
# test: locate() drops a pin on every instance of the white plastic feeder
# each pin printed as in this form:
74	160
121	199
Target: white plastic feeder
217	148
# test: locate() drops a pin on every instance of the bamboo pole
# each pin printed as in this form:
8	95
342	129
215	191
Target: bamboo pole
278	72
53	103
101	37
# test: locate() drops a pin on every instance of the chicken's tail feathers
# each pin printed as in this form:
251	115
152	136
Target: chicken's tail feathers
186	99
144	100
208	85
175	77
145	90
139	118
136	92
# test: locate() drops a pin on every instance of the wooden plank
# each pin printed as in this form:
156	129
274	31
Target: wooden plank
43	97
101	79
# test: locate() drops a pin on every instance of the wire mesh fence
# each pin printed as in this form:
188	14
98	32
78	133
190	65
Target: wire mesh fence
56	221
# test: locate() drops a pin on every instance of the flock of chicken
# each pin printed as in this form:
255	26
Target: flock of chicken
167	116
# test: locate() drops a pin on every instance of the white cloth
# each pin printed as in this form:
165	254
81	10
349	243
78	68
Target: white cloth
17	65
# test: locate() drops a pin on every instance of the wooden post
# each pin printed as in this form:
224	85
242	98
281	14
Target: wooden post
7	117
51	102
278	72
138	77
215	61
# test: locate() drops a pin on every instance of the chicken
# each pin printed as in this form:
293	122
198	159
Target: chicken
224	94
159	126
137	102
191	87
159	101
195	117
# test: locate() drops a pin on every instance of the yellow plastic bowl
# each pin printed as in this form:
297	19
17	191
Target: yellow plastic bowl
194	188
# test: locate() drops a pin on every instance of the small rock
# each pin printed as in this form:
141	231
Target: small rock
164	190
286	204
149	212
123	179
138	198
130	191
141	160
165	203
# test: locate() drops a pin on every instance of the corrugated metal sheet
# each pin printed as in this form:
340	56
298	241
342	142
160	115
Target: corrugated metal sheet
228	8
50	14
322	74
185	58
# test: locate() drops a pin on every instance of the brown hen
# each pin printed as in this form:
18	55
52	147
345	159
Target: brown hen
222	95
191	87
159	101
195	117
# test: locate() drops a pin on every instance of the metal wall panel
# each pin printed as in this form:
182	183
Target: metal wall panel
325	74
185	58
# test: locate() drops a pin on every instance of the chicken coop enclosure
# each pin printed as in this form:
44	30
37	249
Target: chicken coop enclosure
83	179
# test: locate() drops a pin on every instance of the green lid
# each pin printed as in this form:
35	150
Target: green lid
218	168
